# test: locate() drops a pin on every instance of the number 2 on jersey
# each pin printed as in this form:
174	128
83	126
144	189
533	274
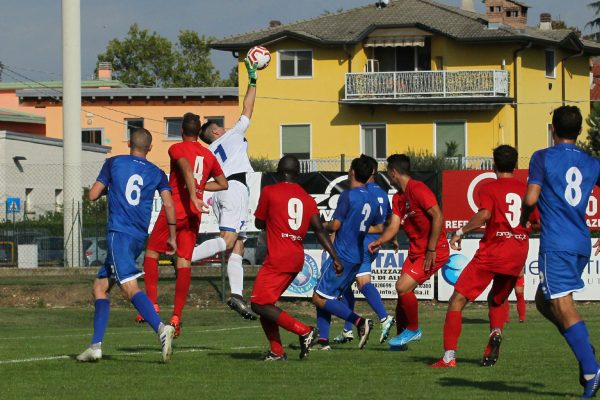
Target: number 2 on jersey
514	209
198	169
295	211
366	211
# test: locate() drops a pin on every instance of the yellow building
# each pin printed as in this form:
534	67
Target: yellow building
414	75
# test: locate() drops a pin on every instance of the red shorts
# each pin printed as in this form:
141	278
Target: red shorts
414	268
187	232
474	279
270	285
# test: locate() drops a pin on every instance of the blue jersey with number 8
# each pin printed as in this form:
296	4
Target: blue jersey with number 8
131	183
567	176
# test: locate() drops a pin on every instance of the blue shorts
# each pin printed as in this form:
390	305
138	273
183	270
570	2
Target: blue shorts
332	286
368	258
122	252
560	273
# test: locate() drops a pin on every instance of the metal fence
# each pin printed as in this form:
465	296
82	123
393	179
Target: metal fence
420	84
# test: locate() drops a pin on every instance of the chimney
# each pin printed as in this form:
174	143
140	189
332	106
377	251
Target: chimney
274	23
468	5
105	71
508	12
545	22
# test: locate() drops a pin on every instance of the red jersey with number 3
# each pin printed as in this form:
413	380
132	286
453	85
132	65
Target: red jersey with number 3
204	166
411	206
287	209
505	243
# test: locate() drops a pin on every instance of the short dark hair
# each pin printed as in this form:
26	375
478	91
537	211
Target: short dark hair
289	165
505	158
140	140
204	129
567	122
362	168
190	126
373	163
400	163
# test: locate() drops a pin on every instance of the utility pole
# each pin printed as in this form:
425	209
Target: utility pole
71	46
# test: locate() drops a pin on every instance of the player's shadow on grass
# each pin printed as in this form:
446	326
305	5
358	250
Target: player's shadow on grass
500	386
253	356
474	321
136	349
431	360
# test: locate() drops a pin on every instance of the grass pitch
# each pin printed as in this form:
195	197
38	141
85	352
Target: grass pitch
218	357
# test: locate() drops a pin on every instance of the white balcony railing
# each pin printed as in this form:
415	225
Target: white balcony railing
426	84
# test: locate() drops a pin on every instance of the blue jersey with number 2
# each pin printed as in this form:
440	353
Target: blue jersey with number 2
131	183
357	210
567	176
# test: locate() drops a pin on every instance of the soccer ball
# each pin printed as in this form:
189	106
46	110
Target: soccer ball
259	55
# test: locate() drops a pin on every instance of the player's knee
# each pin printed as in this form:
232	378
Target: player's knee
317	300
457	302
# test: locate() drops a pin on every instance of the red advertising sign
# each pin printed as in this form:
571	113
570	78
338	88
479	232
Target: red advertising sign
460	196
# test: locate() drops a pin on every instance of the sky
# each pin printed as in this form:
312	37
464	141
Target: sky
30	39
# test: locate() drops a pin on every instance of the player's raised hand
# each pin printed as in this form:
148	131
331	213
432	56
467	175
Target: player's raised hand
455	242
597	247
337	265
374	246
172	242
251	68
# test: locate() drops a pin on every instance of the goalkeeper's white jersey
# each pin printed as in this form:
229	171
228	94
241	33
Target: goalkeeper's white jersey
231	149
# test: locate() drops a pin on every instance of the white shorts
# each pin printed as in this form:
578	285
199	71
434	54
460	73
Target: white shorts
231	208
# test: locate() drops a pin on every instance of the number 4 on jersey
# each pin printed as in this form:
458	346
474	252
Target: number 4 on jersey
198	169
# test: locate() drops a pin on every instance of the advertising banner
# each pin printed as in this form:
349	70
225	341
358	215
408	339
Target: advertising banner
384	273
460	197
448	275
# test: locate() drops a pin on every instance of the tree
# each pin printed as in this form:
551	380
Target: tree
232	81
592	145
148	59
560	24
595	23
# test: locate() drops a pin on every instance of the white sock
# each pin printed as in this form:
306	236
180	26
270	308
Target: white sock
209	248
235	271
449	355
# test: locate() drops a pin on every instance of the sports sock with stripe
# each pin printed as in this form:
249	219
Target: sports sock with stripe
452	329
410	306
235	272
146	309
272	331
578	338
289	323
101	313
340	310
323	323
374	299
497	316
209	248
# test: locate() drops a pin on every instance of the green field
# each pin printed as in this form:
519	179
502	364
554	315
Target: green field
218	356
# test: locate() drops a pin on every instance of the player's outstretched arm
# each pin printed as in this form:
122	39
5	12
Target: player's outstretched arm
220	183
169	206
474	223
190	183
529	202
96	191
389	233
248	106
325	241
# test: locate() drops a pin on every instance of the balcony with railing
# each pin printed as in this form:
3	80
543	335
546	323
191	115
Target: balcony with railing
422	87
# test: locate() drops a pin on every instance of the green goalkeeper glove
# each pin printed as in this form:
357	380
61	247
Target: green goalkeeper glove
252	75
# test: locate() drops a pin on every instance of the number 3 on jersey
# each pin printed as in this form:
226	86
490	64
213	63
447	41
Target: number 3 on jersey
514	209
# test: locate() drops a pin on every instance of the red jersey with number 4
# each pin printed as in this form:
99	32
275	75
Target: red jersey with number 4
505	243
411	206
204	166
287	210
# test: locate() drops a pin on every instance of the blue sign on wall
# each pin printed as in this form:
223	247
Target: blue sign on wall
13	205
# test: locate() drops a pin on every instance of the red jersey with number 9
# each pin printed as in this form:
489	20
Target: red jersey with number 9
204	166
505	243
287	209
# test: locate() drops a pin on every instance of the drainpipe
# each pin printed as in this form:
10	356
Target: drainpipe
349	58
516	93
564	85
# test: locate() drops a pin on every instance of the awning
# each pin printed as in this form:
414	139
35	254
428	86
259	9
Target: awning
415	41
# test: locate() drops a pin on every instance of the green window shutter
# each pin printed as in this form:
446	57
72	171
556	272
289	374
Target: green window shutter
295	140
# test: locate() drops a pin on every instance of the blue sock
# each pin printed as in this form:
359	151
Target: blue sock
146	309
579	340
340	310
101	312
349	300
323	323
374	299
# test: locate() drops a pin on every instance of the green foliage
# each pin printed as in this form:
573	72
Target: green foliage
263	164
595	23
232	80
451	149
421	160
592	143
148	59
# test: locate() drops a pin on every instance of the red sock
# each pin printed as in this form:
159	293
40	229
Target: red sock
401	320
506	307
521	306
410	306
497	316
289	323
151	278
452	329
182	287
272	331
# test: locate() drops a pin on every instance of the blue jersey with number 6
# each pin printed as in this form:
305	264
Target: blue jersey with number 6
131	183
567	176
357	210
